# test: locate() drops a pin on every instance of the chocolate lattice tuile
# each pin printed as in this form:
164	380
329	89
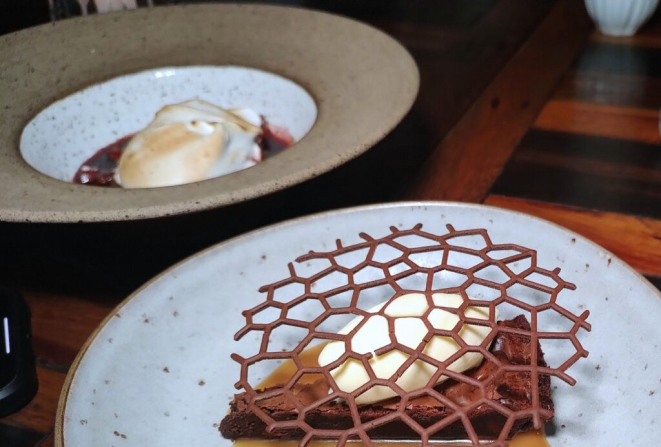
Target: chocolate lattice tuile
392	275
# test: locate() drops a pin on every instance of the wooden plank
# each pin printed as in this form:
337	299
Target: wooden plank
636	240
39	415
62	323
639	40
590	172
454	72
609	88
470	157
601	120
620	59
618	70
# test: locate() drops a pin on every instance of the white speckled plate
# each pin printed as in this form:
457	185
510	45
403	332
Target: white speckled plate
158	371
361	80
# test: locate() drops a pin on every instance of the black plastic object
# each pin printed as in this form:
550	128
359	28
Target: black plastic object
18	375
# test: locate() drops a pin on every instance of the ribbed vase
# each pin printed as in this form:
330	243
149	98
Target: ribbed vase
620	17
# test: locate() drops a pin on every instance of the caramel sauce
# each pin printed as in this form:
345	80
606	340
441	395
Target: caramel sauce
532	438
287	369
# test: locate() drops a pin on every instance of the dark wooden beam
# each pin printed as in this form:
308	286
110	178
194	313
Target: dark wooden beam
469	159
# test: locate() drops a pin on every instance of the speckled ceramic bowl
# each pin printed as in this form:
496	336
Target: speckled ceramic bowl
361	80
158	371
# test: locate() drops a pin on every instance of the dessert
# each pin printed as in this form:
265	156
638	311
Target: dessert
409	330
185	143
432	360
511	390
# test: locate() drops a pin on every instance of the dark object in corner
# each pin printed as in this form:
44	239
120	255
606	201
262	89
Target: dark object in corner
18	375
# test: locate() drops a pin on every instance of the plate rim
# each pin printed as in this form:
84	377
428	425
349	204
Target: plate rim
73	369
138	206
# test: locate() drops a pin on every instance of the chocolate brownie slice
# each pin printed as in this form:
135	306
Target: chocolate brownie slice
511	389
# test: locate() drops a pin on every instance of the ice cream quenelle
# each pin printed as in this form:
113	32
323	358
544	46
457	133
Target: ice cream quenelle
410	331
189	142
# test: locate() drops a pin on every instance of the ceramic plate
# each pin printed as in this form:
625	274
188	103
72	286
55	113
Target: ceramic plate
337	84
158	371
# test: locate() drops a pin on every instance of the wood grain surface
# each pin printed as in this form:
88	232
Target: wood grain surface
603	120
580	170
591	161
470	157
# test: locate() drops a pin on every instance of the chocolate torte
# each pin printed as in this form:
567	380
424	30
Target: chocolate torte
511	389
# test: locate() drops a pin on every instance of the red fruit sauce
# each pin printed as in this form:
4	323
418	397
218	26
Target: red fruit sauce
100	168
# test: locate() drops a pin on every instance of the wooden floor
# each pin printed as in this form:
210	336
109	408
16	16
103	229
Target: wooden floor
521	106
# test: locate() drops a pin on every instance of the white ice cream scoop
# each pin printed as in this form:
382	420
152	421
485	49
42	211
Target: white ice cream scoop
190	142
410	330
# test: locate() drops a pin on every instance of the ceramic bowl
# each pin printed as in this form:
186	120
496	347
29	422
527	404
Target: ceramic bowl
362	83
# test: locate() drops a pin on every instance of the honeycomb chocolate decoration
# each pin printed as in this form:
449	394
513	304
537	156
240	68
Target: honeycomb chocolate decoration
409	261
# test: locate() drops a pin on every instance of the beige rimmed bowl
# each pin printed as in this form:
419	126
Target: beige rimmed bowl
363	83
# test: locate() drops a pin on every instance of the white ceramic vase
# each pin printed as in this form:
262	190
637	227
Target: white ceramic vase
620	17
